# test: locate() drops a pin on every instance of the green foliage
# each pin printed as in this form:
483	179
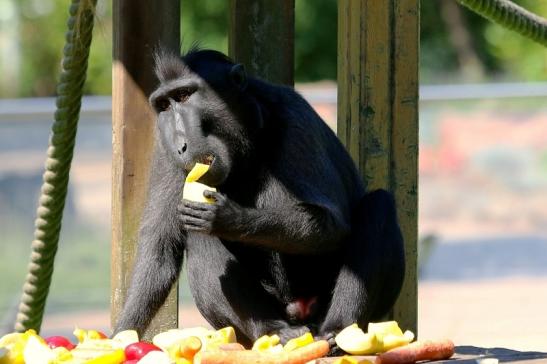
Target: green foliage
501	53
205	22
315	40
517	55
42	25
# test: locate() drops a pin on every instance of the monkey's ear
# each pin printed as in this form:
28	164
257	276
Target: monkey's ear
238	76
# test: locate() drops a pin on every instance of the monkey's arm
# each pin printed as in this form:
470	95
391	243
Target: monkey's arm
160	251
298	228
156	269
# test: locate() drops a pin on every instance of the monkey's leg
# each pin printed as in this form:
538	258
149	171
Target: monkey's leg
227	293
373	269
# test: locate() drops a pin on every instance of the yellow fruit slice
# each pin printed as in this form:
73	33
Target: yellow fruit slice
126	337
354	341
84	335
298	342
199	170
391	341
62	355
115	357
155	357
185	348
16	345
10	339
83	354
385	328
193	191
37	352
265	343
171	337
227	334
389	335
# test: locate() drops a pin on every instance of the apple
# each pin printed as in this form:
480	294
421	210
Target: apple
59	341
139	349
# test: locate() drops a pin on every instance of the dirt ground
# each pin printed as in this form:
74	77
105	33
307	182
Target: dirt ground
506	313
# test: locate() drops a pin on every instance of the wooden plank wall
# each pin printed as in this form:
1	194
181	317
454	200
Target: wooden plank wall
378	113
137	31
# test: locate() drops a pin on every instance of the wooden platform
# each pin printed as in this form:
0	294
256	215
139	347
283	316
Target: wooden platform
470	355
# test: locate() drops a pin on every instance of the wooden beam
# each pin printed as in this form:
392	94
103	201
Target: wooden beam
262	38
378	113
139	27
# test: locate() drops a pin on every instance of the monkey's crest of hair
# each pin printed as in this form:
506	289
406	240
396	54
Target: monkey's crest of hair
170	65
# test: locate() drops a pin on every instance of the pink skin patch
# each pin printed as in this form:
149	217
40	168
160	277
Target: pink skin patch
305	307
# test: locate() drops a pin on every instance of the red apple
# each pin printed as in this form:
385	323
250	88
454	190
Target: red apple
58	341
137	350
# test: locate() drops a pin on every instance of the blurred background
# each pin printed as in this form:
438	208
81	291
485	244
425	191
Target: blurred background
483	164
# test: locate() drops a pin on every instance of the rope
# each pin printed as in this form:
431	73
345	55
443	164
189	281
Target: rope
57	166
511	16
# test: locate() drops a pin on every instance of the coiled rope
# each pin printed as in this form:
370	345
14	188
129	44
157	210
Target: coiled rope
57	166
511	16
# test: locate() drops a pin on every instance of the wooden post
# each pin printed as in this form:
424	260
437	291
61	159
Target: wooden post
262	38
139	27
378	113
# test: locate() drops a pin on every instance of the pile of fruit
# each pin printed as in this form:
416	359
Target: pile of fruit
205	346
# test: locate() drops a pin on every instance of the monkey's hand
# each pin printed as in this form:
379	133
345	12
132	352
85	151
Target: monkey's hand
218	218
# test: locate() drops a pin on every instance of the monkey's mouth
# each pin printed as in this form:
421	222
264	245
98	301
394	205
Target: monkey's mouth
207	159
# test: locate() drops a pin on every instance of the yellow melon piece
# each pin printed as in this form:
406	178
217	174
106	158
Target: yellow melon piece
354	341
385	328
265	343
227	334
126	337
37	352
199	170
298	342
171	337
193	191
155	357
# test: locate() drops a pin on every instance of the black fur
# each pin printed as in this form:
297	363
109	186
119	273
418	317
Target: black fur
292	243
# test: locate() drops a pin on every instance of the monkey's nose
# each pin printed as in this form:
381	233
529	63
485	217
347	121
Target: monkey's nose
183	149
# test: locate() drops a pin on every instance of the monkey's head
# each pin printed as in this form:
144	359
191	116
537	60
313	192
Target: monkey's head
205	113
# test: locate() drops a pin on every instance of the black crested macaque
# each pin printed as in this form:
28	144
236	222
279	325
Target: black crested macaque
292	243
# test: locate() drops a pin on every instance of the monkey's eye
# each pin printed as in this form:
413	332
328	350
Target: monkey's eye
163	104
182	95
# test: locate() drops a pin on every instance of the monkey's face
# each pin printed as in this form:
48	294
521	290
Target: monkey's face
199	122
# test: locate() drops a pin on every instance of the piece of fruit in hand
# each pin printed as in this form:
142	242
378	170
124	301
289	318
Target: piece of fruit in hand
193	191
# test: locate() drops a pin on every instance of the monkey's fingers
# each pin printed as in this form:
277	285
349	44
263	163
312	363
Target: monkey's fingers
217	196
200	214
200	206
192	224
190	220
